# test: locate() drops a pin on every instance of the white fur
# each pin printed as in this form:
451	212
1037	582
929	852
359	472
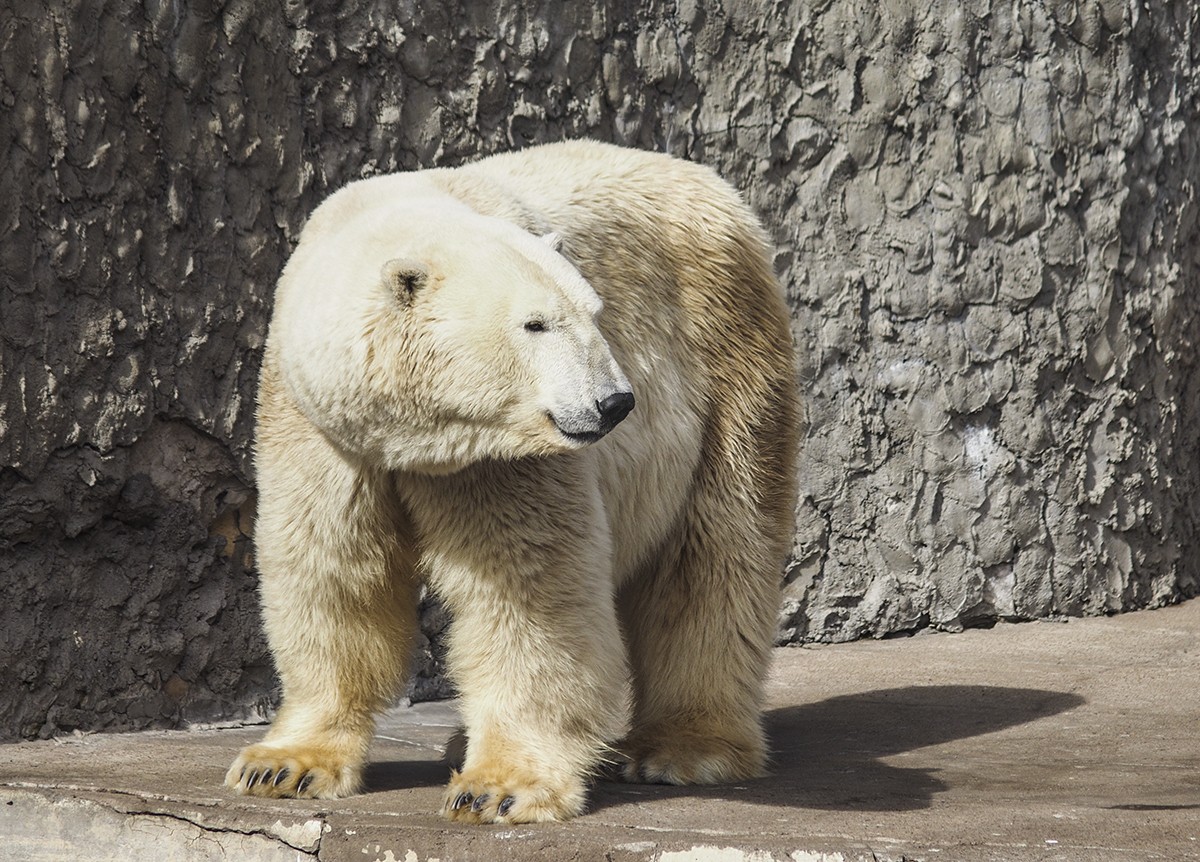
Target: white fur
337	324
435	369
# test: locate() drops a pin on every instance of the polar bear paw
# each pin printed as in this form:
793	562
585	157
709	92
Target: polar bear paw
293	771
496	795
689	757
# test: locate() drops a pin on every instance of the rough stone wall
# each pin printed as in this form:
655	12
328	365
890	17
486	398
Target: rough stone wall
991	234
986	221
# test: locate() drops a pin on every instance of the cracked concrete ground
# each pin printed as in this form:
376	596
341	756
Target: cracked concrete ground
1073	741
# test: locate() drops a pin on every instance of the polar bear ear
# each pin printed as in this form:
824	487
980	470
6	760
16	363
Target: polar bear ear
553	239
404	277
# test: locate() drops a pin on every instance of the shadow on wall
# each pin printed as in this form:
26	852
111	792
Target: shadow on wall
829	754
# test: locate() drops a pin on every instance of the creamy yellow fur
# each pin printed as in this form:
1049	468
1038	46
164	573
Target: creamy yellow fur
612	601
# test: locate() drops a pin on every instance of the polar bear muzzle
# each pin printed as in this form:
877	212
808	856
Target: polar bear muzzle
614	408
585	428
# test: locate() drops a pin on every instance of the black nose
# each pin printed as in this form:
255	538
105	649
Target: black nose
614	408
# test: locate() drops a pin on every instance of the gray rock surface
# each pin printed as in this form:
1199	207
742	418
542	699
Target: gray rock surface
989	227
986	219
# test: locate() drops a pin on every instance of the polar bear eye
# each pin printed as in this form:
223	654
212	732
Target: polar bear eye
535	326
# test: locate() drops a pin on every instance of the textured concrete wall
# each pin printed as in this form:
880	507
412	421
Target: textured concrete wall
986	219
991	231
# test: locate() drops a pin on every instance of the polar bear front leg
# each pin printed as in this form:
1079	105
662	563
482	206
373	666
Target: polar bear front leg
520	554
339	602
542	695
539	709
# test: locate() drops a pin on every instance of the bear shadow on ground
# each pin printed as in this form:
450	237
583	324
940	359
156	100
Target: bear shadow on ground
829	754
385	775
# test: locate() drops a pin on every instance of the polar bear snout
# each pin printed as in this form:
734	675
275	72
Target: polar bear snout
590	426
613	409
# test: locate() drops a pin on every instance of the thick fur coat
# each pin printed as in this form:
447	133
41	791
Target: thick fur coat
445	399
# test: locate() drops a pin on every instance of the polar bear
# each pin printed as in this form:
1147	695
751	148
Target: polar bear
557	386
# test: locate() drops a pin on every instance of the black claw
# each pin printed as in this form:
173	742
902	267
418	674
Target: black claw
279	776
463	799
304	782
266	776
242	774
480	801
506	805
252	780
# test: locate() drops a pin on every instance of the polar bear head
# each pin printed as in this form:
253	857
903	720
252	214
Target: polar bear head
426	337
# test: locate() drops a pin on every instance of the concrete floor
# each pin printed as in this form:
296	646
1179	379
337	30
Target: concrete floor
1058	741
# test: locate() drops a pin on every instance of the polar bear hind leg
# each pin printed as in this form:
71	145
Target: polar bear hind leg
700	619
700	627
